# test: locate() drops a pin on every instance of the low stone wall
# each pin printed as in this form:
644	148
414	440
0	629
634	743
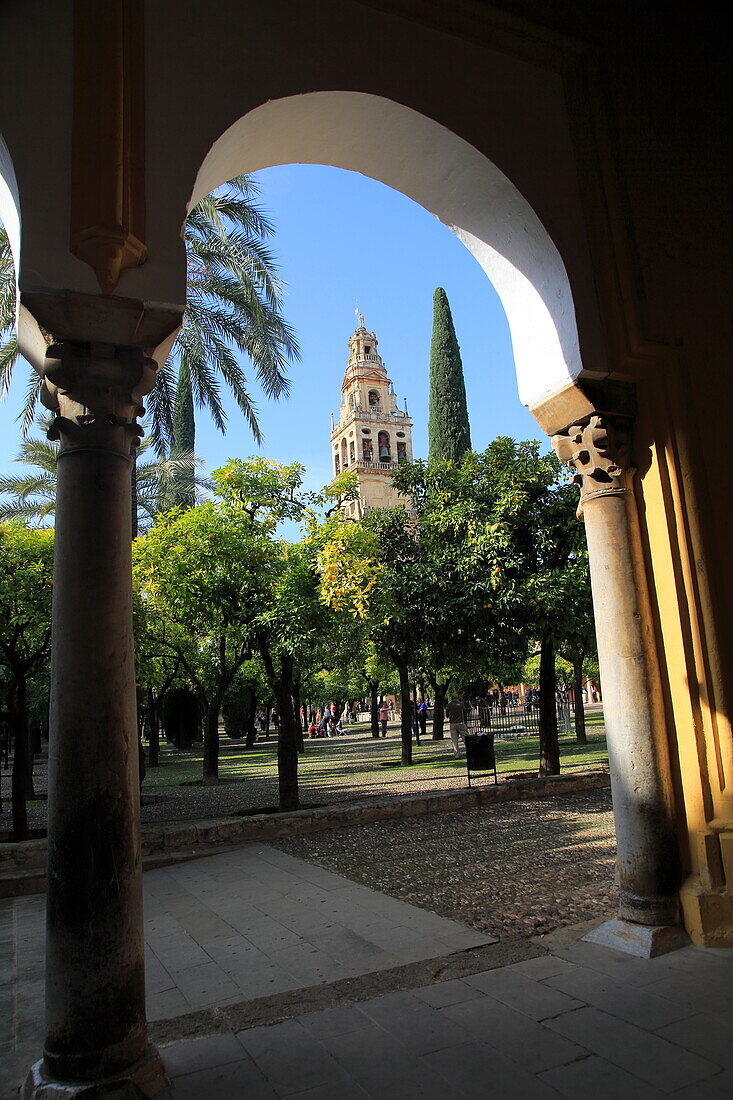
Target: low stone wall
22	866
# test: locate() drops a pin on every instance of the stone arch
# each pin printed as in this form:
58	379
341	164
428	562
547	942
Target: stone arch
29	334
450	178
9	201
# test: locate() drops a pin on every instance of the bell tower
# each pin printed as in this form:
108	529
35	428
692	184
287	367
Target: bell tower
372	434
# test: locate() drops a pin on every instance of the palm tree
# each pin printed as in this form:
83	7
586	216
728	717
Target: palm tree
233	309
31	496
8	338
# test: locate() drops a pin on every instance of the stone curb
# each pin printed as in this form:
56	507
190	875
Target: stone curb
22	865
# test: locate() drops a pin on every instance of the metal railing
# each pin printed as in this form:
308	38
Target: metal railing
519	721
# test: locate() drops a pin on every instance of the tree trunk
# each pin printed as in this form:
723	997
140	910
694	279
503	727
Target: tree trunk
281	685
153	731
30	790
296	715
549	744
439	709
211	742
374	707
580	733
21	754
406	722
287	746
251	719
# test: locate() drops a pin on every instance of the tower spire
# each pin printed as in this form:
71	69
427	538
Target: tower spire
372	434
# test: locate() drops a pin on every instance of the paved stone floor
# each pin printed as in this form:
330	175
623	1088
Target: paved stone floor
581	1021
584	1022
254	922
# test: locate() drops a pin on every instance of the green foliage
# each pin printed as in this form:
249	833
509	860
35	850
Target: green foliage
233	310
449	433
199	572
181	492
199	575
267	492
563	670
26	587
9	352
26	580
31	495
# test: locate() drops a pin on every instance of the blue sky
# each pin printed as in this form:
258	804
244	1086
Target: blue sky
344	241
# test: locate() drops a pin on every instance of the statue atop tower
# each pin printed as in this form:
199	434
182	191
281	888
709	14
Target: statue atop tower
371	434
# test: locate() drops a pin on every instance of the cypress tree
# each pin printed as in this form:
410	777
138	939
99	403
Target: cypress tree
182	492
184	424
449	434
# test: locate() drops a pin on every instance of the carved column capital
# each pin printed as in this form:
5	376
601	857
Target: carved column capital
598	449
96	392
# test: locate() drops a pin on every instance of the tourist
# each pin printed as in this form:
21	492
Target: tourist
455	712
383	718
413	721
422	715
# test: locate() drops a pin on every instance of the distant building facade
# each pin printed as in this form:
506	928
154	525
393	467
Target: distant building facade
372	435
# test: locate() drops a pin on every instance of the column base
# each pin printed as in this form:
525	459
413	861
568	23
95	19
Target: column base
147	1078
707	913
643	940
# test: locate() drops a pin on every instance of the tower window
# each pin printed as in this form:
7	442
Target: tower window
367	348
373	398
385	454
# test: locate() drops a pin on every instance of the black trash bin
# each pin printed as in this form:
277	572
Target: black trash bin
480	755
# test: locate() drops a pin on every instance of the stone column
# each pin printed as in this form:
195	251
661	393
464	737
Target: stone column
598	450
96	1037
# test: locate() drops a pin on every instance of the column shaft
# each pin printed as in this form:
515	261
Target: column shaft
648	861
598	450
95	982
96	1034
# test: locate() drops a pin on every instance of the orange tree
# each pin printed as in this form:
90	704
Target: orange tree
199	576
26	576
508	555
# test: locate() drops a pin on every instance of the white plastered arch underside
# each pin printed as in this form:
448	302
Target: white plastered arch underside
448	177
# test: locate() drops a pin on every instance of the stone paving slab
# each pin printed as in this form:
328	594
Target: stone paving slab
582	1021
257	921
229	928
484	1036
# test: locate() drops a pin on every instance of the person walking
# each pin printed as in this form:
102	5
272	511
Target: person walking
422	716
455	712
413	721
383	718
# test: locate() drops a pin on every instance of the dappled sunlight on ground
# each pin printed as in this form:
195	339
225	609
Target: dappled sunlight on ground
509	869
331	770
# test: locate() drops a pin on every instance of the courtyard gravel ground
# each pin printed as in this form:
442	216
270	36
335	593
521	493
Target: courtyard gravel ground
509	869
333	770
